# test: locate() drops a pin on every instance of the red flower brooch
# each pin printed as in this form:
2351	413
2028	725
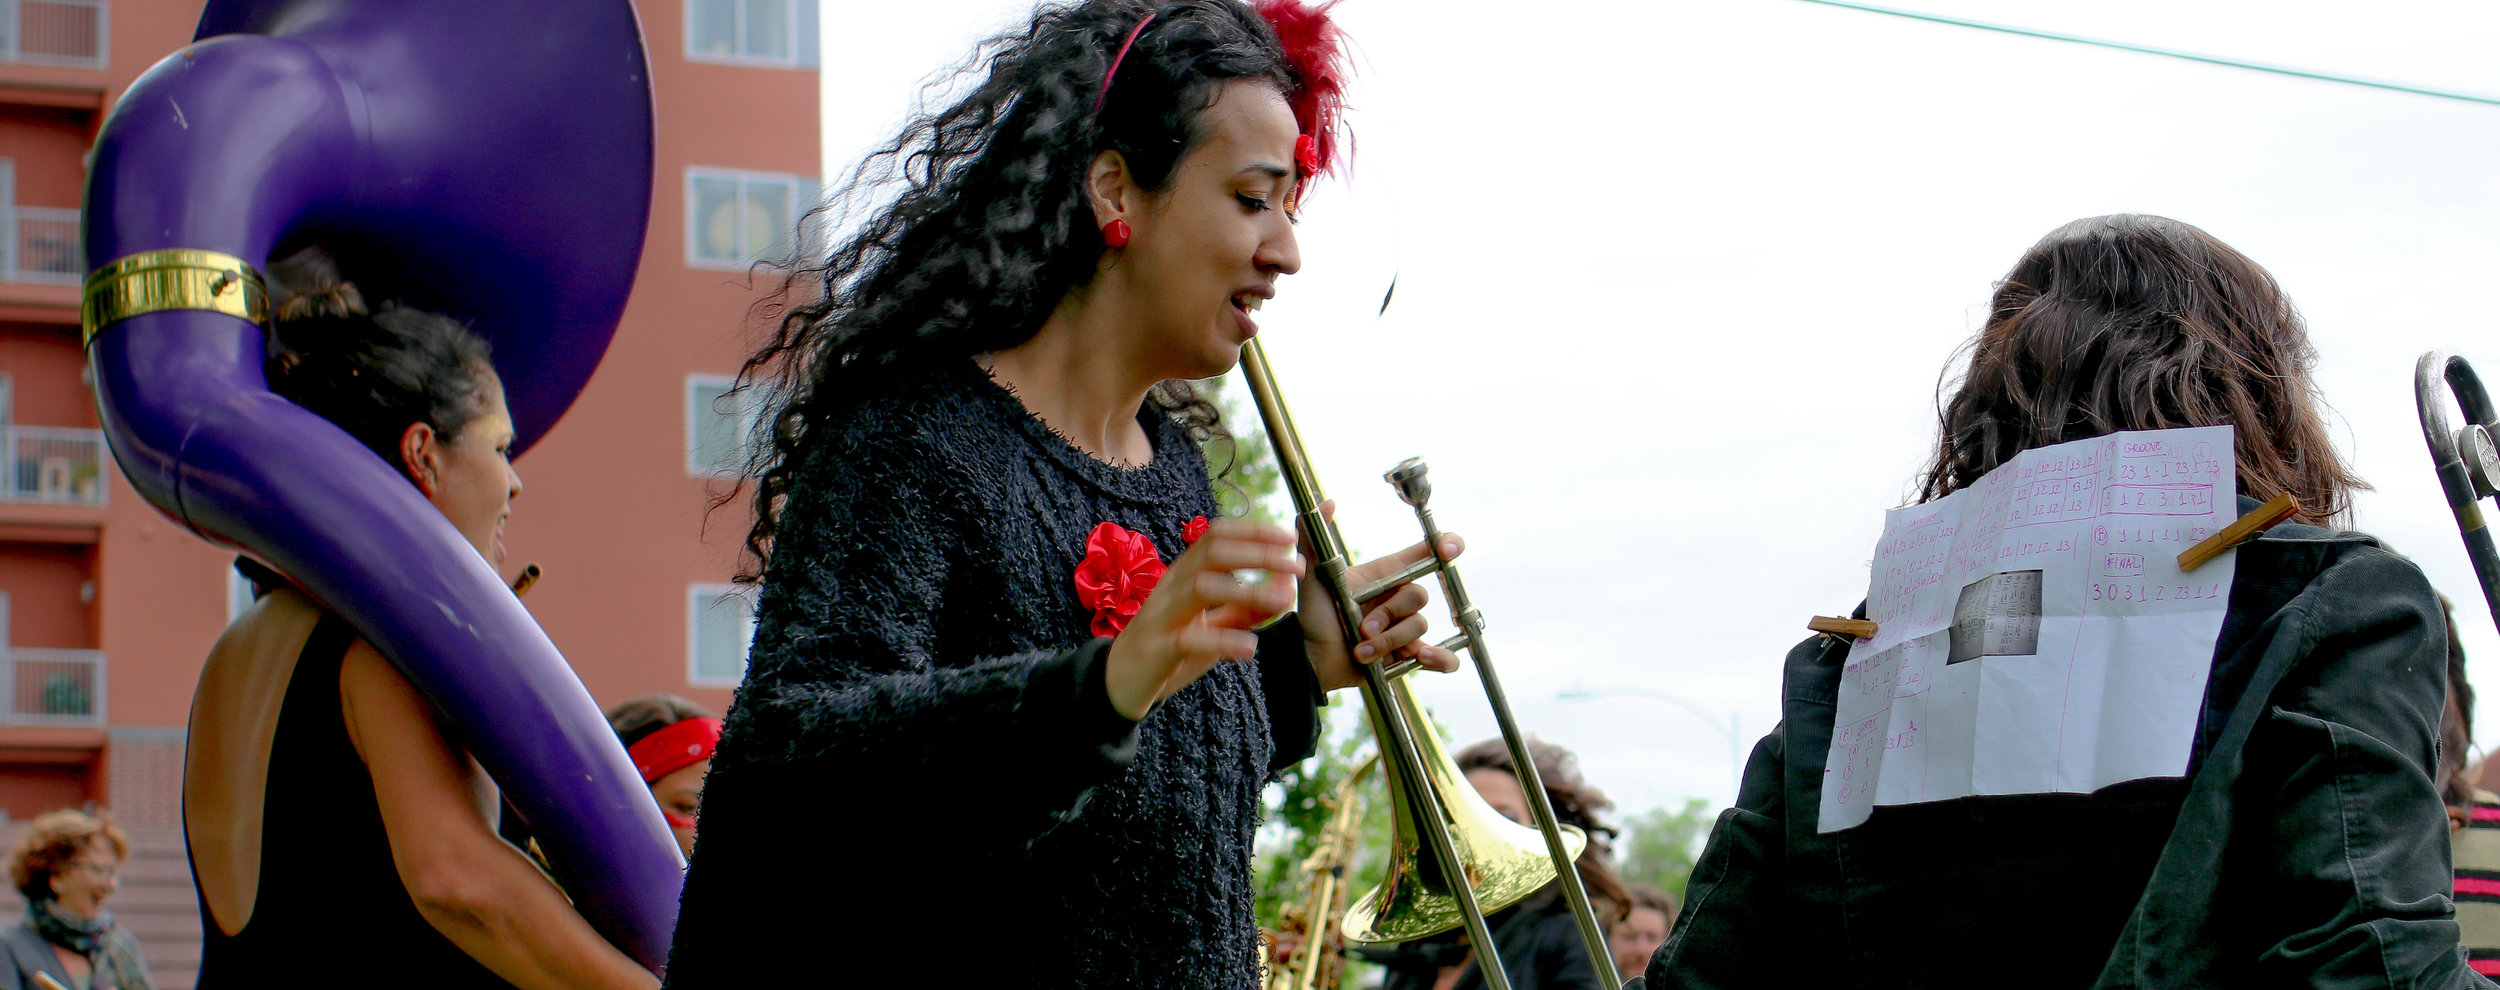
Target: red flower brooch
1119	570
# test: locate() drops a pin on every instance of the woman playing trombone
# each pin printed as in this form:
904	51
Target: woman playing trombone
1005	694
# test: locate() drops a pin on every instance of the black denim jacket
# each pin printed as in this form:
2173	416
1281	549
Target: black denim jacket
2306	847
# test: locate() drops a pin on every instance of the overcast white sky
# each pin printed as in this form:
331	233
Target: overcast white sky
1676	280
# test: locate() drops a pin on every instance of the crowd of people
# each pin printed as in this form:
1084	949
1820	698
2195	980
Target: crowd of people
998	599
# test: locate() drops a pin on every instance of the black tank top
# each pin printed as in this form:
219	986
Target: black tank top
331	910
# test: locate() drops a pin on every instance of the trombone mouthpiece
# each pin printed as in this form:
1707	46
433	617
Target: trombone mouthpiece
1409	478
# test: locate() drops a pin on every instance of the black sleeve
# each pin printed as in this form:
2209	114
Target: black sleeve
2342	875
1293	695
843	672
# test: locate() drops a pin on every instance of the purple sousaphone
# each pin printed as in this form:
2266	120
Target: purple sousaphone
488	159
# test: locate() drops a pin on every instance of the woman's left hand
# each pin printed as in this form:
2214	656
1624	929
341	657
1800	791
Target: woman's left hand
1393	622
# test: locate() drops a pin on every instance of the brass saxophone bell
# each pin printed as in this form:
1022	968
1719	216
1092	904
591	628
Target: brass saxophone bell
1505	861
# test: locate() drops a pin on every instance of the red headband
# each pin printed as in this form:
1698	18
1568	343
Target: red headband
1114	70
674	747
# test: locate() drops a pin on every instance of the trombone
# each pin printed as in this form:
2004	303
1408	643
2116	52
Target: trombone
2467	460
1452	858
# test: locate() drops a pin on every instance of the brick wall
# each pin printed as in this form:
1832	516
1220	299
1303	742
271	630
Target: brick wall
143	777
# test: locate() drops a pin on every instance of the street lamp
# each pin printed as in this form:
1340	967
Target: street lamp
1730	729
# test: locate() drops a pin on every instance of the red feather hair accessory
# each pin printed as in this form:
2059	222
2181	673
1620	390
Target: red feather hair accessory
1316	50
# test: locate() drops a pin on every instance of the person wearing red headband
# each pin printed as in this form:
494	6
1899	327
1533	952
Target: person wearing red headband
670	741
1004	685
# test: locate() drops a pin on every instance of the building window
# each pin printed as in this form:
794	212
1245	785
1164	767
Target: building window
734	219
57	32
720	623
777	33
721	425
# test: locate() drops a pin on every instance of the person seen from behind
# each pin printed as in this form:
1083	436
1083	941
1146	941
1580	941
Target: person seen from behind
2305	846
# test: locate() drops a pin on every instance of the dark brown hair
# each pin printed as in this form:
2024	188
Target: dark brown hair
2456	724
51	841
634	718
1575	803
2134	322
371	373
1644	895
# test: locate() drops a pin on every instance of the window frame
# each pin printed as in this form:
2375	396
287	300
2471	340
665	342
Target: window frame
803	190
803	16
748	425
700	596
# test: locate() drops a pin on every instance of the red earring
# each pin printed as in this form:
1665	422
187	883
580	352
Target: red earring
1115	234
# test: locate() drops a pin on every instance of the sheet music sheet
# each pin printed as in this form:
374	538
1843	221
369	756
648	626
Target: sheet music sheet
2035	634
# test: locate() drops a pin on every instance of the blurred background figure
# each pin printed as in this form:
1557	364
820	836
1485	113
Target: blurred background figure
670	740
1538	940
1636	937
68	864
2473	817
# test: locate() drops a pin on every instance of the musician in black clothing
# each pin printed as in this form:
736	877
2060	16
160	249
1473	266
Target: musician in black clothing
998	596
2306	845
337	834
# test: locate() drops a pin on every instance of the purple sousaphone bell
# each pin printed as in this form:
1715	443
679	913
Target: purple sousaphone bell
487	159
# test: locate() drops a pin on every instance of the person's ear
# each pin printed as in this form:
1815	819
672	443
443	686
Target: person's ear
1110	188
421	456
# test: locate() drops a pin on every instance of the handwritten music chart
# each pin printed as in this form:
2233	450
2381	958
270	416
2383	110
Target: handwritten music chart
2035	634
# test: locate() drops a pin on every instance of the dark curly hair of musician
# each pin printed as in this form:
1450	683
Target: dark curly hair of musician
2135	322
977	223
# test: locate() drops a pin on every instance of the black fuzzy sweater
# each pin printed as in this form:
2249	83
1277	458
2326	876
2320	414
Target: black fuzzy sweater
922	778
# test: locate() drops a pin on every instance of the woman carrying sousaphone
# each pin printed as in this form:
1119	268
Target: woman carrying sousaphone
1006	700
353	731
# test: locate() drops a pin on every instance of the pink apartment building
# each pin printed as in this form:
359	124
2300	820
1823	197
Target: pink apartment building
106	609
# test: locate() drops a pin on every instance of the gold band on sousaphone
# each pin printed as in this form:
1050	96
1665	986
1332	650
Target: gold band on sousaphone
1453	859
178	278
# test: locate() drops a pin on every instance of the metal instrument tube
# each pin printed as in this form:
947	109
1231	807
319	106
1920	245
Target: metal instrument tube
1390	721
1409	480
2463	458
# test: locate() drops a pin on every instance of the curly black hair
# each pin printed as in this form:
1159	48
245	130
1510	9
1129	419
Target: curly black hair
990	226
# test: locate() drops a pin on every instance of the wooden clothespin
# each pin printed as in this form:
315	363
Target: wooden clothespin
2246	529
521	585
1833	625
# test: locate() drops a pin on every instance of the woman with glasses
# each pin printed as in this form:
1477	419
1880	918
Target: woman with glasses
67	865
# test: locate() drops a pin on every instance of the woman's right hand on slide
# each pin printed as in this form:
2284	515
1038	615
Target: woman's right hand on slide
1201	614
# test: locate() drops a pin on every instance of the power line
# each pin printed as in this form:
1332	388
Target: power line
2445	94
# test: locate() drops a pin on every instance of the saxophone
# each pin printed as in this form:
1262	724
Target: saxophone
1317	961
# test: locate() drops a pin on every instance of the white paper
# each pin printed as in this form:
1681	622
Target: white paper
2034	632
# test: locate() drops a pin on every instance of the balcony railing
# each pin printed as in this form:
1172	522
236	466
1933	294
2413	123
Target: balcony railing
42	244
51	687
51	465
55	32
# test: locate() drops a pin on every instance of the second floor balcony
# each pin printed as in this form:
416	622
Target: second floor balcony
55	32
41	244
51	465
51	687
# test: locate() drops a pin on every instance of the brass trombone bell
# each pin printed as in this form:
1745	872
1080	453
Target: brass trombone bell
1505	861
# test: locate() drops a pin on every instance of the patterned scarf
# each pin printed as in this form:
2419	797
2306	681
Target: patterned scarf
116	960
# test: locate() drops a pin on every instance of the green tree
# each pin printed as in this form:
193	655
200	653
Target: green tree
1242	466
1662	844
